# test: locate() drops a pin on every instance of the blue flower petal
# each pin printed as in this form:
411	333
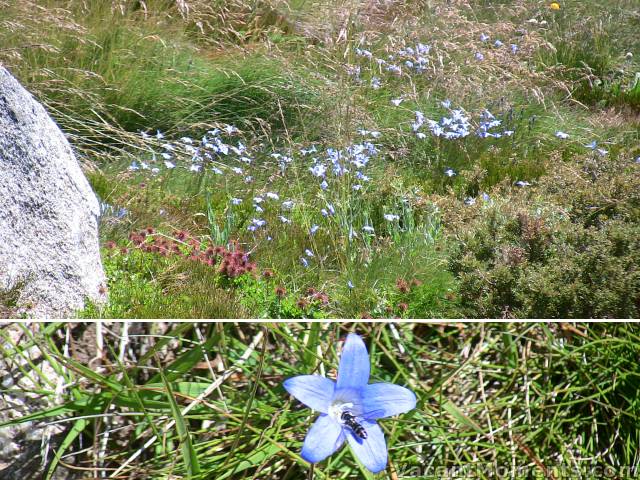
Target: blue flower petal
372	451
354	368
314	391
325	437
381	400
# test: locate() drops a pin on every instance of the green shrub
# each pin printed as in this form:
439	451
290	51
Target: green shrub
525	265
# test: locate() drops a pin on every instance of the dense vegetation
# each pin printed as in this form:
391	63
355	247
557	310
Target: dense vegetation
405	158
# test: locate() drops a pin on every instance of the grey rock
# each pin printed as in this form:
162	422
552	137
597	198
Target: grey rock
48	212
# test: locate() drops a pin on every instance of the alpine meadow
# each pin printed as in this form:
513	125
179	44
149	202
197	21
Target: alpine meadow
348	159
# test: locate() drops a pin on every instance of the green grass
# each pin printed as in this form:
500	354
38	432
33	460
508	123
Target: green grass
104	75
542	397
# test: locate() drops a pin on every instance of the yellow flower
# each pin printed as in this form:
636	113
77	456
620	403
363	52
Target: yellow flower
554	6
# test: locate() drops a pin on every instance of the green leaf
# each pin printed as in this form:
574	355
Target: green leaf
189	455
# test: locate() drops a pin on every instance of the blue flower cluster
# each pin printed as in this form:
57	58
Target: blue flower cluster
458	125
222	152
411	60
210	151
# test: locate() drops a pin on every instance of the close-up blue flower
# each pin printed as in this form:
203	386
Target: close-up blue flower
349	408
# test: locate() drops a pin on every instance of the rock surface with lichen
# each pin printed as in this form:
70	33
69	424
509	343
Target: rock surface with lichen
49	251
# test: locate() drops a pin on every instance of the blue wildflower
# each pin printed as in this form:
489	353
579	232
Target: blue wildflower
484	37
304	262
449	172
349	408
256	223
394	69
423	49
562	135
313	229
363	53
318	170
236	201
479	56
390	217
